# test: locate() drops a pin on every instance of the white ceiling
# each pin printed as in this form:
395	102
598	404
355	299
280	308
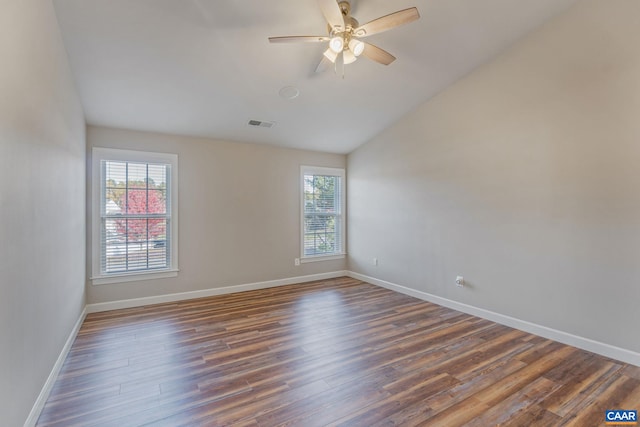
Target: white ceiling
205	67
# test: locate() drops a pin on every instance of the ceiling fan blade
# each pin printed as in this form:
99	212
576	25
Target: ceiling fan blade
323	65
387	22
376	54
296	39
332	14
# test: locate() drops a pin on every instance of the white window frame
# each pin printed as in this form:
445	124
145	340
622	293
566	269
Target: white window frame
327	171
100	154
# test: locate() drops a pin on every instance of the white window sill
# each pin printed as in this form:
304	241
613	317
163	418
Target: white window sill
133	277
318	258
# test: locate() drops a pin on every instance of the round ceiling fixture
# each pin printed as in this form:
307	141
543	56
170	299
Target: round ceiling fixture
289	92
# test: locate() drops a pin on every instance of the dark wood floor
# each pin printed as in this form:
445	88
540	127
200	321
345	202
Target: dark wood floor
334	352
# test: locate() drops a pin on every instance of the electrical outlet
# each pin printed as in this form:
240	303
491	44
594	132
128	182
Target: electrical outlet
296	261
374	261
459	281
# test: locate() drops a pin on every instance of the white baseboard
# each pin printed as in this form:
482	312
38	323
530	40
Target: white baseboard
53	375
597	347
138	302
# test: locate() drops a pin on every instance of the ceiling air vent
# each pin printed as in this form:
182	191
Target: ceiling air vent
261	124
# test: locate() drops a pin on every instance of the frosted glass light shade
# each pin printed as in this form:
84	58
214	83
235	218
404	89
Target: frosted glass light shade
330	55
356	46
336	44
348	57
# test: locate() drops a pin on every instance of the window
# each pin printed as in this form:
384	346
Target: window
323	201
134	220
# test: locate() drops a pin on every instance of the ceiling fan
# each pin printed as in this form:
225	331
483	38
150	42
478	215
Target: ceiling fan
345	33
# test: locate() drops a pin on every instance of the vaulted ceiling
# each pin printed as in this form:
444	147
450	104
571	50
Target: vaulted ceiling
205	67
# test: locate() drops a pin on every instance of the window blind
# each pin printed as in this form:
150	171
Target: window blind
135	216
322	213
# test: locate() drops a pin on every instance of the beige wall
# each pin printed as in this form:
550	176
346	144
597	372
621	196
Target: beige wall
238	213
524	177
42	199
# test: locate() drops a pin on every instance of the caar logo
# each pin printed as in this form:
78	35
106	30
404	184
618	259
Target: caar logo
620	417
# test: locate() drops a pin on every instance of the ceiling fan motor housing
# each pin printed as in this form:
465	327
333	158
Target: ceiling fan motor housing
345	7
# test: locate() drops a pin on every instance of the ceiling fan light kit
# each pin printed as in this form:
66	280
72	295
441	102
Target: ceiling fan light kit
345	32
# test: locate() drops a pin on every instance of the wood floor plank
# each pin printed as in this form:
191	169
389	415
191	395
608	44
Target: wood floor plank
331	352
585	379
391	408
534	416
610	396
517	403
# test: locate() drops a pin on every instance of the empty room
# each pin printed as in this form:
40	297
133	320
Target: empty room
319	213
